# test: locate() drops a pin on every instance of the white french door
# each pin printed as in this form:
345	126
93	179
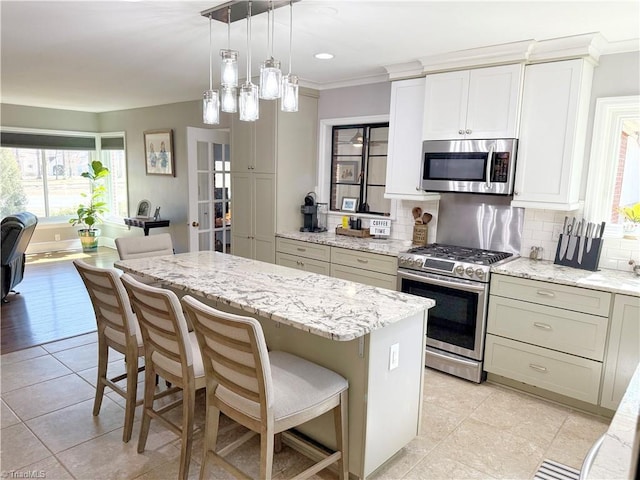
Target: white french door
209	181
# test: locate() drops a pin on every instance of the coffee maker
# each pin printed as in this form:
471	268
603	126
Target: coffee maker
310	214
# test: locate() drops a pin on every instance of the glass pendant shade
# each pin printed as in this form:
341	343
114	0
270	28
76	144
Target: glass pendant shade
249	106
229	99
229	68
289	101
210	107
270	79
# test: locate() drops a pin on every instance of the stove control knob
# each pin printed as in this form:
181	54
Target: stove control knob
469	271
480	273
459	270
417	263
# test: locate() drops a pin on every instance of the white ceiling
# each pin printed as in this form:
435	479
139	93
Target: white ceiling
100	56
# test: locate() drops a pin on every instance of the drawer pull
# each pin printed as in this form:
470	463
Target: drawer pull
546	293
544	326
363	260
538	368
300	249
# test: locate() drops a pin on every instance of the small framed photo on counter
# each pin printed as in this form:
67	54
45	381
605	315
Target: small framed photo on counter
144	209
349	204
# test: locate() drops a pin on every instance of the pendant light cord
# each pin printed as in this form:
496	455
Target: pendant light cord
290	32
229	28
210	54
249	42
272	25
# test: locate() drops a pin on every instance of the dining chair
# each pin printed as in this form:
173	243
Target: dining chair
267	392
144	246
172	352
118	329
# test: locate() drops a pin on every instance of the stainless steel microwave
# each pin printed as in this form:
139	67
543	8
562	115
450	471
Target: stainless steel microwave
469	166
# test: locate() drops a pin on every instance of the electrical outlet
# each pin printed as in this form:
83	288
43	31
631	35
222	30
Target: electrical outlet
557	230
57	237
394	356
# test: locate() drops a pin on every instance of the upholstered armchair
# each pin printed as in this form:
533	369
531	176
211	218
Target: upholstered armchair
16	233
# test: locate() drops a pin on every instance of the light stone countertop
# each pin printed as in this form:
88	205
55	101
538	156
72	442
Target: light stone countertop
614	281
615	457
319	304
384	246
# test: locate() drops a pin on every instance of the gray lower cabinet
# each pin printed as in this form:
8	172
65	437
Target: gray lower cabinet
623	350
362	267
548	336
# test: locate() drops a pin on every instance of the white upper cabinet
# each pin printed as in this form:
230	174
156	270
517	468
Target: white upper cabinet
555	108
472	104
404	155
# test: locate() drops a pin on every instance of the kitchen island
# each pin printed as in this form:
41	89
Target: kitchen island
372	336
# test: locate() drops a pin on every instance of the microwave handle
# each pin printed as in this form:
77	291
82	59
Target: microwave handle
489	160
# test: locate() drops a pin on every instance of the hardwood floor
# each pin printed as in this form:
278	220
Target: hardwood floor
53	303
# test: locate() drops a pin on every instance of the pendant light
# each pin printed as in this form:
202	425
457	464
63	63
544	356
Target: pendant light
210	99
249	106
270	73
229	73
289	101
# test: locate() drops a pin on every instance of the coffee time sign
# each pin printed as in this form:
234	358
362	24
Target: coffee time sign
380	227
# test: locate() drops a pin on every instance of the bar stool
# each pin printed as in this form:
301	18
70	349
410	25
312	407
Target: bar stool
118	329
172	352
267	392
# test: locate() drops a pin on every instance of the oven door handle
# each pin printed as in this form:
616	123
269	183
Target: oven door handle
441	281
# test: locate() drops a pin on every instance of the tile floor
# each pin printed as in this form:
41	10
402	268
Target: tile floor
468	431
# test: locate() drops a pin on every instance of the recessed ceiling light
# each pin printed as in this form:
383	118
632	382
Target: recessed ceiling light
324	56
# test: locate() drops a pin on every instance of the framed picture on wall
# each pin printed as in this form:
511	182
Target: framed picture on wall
348	172
158	152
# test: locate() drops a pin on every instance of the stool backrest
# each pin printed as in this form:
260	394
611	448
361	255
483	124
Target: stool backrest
110	301
165	334
235	355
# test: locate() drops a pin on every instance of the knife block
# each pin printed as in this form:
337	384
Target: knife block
590	259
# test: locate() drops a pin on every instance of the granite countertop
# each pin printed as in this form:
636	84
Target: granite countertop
615	457
384	246
614	281
326	306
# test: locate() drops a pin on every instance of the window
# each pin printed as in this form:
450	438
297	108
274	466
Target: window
614	165
42	172
359	167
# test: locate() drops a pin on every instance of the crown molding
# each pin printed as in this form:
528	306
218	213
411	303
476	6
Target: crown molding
514	52
589	46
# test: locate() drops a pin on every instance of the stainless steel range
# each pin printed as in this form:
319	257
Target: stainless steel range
457	278
450	260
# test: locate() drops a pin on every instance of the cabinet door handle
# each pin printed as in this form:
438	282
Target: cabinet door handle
543	326
468	131
539	368
461	132
362	260
546	293
300	249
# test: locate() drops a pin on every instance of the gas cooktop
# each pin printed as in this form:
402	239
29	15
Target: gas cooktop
451	260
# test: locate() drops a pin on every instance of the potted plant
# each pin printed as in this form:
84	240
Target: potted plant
90	214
